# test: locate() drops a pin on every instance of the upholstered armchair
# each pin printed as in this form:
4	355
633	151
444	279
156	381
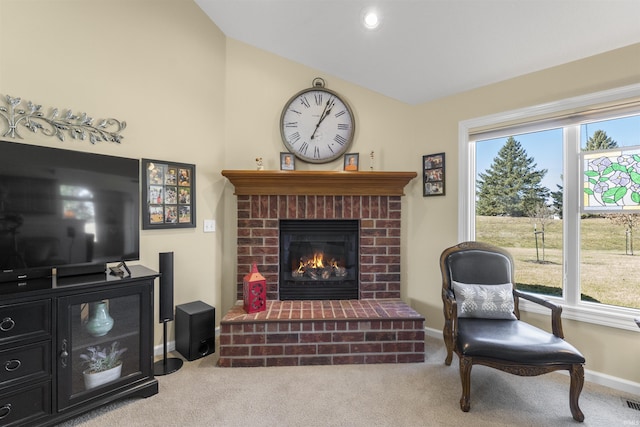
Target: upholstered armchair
483	327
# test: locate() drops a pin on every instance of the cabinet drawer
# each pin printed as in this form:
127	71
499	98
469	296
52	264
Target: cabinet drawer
25	404
25	320
25	363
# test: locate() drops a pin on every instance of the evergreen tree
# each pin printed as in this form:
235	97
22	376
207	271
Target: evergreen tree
600	141
558	197
512	185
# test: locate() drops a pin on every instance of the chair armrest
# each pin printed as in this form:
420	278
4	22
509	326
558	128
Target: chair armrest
450	309
556	310
448	294
450	303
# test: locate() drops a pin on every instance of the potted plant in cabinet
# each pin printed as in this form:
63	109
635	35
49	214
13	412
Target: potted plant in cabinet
103	364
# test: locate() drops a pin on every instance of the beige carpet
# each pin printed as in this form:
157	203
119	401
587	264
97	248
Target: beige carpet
418	394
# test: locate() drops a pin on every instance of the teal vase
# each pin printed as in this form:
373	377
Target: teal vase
99	323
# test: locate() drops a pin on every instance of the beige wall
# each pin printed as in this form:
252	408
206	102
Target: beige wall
160	66
191	95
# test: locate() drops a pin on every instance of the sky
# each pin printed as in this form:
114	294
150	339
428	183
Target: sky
546	146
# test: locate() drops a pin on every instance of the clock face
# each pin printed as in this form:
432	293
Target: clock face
317	126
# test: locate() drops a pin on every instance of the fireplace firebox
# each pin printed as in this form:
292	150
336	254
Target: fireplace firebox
319	259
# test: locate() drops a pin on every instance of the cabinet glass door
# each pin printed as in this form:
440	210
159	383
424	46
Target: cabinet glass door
100	349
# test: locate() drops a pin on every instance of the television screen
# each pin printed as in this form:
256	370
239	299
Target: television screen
65	209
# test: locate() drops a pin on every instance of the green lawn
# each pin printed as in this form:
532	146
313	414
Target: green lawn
608	274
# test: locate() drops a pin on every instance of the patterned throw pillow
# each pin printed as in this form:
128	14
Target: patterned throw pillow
484	301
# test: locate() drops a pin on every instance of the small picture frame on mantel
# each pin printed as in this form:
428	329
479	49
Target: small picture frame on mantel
351	161
433	182
168	194
287	161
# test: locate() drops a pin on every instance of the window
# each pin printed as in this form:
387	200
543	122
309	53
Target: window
608	264
522	188
519	204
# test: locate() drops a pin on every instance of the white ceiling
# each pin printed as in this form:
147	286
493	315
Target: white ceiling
428	49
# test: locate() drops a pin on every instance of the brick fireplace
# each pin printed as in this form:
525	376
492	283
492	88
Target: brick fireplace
258	218
378	327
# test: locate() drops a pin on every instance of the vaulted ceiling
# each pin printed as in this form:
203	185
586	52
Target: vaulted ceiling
428	49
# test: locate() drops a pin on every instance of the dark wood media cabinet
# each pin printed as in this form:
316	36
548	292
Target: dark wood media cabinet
44	330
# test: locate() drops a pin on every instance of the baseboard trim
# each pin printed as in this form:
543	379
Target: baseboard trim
158	350
616	383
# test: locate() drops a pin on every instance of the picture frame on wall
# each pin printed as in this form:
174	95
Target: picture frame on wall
169	194
433	174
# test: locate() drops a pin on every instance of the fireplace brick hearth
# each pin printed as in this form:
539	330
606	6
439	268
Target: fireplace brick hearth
377	328
295	333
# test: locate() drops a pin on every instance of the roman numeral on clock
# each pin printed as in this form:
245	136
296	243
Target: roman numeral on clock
294	137
343	126
340	139
316	153
303	148
304	101
294	125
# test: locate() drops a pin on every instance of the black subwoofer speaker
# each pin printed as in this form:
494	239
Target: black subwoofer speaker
195	329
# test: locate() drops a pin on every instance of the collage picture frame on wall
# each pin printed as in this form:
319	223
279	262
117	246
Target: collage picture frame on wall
168	192
433	175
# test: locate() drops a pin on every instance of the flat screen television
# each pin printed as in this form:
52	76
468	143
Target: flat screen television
66	210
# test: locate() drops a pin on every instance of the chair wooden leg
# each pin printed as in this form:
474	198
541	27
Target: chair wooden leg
449	357
449	347
448	342
577	382
465	376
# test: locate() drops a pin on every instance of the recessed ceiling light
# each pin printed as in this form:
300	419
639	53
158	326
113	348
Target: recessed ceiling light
370	19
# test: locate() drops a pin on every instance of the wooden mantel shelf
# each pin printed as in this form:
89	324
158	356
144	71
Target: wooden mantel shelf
319	183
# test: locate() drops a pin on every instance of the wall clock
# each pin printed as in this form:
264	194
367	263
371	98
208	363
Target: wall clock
317	124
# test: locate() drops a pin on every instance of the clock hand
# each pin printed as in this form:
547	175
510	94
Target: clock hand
325	113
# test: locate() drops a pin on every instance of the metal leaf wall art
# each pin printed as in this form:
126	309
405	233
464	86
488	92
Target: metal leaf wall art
76	126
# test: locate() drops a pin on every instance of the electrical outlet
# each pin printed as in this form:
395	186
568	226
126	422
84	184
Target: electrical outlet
209	225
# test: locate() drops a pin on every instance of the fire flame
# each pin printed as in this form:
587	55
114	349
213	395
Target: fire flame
315	262
316	266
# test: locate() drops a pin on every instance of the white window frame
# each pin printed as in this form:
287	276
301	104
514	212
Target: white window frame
573	307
